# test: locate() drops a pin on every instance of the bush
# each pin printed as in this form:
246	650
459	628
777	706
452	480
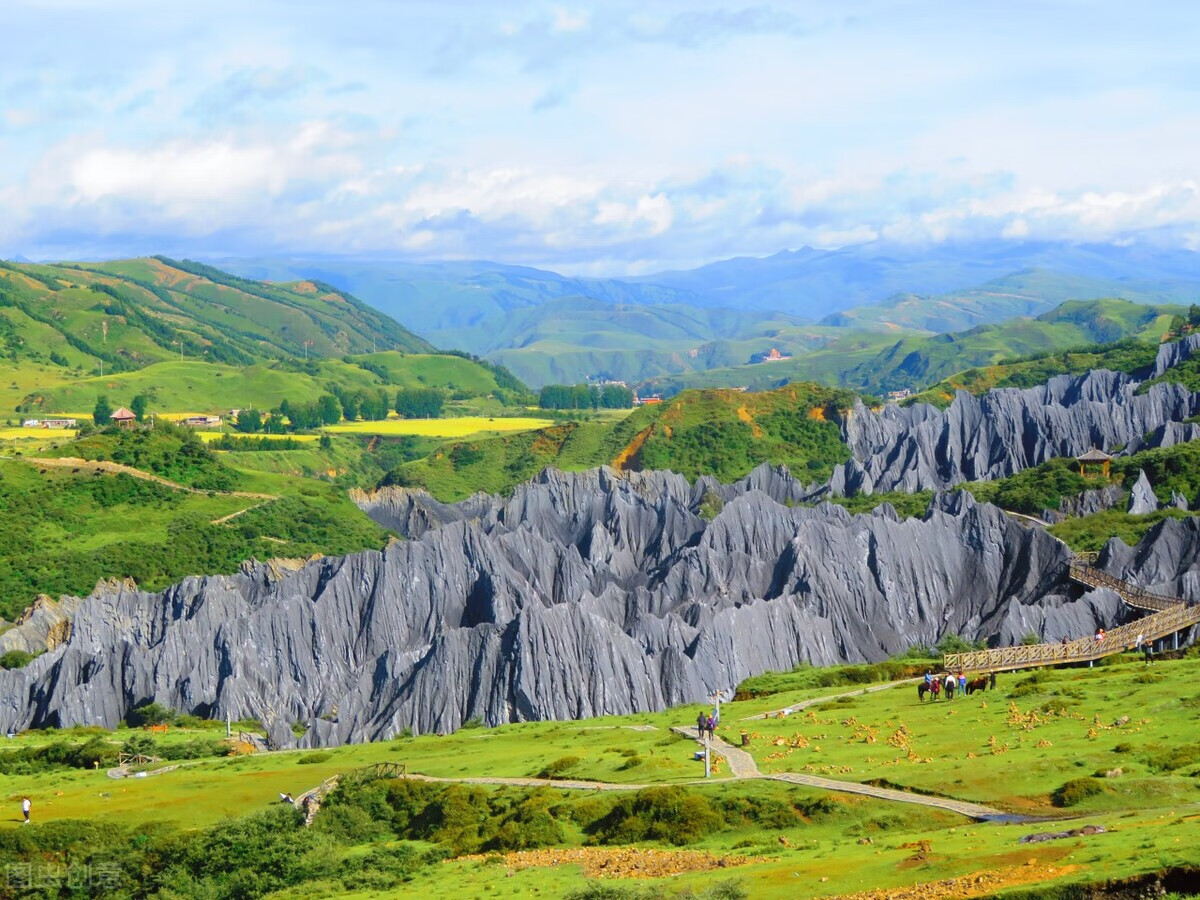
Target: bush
1031	684
1075	791
669	814
309	759
558	767
15	659
1175	758
150	714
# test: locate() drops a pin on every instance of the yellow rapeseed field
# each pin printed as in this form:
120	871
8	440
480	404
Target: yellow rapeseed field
462	426
209	436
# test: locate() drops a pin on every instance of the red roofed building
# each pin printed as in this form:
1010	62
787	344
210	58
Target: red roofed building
123	418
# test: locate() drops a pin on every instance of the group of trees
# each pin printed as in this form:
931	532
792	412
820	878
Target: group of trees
331	408
1190	322
103	410
585	396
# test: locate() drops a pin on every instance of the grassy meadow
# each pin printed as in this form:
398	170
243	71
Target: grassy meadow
476	840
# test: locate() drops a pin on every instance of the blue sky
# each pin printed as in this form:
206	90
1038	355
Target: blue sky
591	137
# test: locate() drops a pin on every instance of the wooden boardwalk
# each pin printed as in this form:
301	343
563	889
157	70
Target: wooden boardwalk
1168	615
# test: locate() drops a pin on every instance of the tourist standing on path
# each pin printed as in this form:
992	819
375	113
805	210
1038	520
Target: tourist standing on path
701	724
25	804
991	681
962	684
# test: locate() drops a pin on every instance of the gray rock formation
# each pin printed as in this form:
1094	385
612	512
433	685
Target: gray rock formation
1004	431
582	594
1178	501
1141	496
1170	355
1167	435
1087	502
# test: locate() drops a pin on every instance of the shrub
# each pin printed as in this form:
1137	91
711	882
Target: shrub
15	659
558	767
309	759
1031	684
1174	758
150	714
670	814
1076	791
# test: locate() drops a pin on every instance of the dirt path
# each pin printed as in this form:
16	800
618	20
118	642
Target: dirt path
566	785
233	515
805	704
962	807
743	765
112	468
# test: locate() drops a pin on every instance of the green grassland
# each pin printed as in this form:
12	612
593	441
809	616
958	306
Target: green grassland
80	526
721	433
1121	356
193	338
1047	744
196	386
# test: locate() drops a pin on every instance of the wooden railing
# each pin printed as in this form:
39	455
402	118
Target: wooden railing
1169	615
1081	571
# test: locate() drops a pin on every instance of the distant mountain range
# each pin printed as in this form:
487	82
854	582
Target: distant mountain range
547	327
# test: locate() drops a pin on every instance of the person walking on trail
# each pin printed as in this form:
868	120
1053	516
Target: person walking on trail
25	805
991	681
712	727
962	684
936	687
701	724
950	685
1147	651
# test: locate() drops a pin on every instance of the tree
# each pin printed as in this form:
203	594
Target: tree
102	412
350	403
419	403
329	409
1194	316
138	405
373	405
249	421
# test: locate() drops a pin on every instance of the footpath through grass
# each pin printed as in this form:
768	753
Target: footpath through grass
1051	743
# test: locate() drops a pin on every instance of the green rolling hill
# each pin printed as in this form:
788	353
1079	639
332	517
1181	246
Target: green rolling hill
194	338
876	363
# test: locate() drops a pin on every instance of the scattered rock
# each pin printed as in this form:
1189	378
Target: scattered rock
1085	831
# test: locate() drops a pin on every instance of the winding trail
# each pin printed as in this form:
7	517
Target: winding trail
743	766
805	704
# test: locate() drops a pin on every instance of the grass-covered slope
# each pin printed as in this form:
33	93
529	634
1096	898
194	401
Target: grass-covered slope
196	386
1111	746
78	525
193	338
132	313
720	432
875	363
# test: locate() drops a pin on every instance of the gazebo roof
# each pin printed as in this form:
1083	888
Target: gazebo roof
122	413
1094	455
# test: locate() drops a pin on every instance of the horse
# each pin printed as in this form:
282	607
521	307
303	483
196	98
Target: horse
922	690
977	684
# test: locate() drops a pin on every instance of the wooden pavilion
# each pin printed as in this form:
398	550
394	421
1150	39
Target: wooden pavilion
1094	458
